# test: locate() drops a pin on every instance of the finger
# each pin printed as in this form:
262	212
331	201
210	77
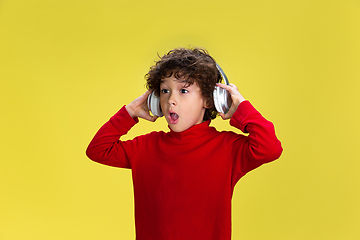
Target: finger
223	116
234	92
143	98
148	117
148	92
231	88
151	118
145	95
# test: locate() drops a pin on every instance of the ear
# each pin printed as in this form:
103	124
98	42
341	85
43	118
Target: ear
207	104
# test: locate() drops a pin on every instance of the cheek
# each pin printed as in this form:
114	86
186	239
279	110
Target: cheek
162	100
196	105
201	102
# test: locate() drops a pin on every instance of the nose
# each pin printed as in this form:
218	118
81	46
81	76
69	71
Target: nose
172	100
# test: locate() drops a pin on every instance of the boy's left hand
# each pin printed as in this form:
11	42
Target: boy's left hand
236	97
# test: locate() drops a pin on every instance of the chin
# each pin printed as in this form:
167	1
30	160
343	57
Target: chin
175	129
178	128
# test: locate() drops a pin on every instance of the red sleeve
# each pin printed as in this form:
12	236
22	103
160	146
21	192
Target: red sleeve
106	148
260	146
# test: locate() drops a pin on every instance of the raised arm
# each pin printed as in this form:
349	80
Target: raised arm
261	145
106	146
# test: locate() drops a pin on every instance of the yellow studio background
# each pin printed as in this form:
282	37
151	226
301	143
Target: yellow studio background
67	66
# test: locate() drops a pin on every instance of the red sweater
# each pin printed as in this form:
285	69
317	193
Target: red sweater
183	182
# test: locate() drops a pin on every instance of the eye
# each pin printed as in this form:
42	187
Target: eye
184	90
164	91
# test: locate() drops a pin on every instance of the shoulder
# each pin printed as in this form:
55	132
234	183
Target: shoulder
226	135
153	135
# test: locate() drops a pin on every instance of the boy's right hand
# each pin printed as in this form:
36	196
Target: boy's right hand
139	108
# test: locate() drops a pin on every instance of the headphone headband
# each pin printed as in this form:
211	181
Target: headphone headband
223	75
222	99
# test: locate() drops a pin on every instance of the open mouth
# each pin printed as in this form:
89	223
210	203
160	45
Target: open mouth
173	118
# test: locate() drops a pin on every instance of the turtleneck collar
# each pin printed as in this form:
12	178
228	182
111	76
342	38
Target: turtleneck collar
193	132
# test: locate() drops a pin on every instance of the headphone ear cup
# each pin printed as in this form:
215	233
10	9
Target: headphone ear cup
153	103
222	100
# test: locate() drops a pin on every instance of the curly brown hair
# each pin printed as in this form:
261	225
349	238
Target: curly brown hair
189	65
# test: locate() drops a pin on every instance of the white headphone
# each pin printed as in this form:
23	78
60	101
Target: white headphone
222	98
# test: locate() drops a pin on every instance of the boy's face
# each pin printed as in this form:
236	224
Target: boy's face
183	107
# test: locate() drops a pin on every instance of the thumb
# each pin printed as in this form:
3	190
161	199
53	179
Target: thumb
225	116
222	115
150	118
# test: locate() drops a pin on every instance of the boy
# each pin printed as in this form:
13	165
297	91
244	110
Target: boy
184	179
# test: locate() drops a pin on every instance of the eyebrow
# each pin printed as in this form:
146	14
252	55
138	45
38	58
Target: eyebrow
186	83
